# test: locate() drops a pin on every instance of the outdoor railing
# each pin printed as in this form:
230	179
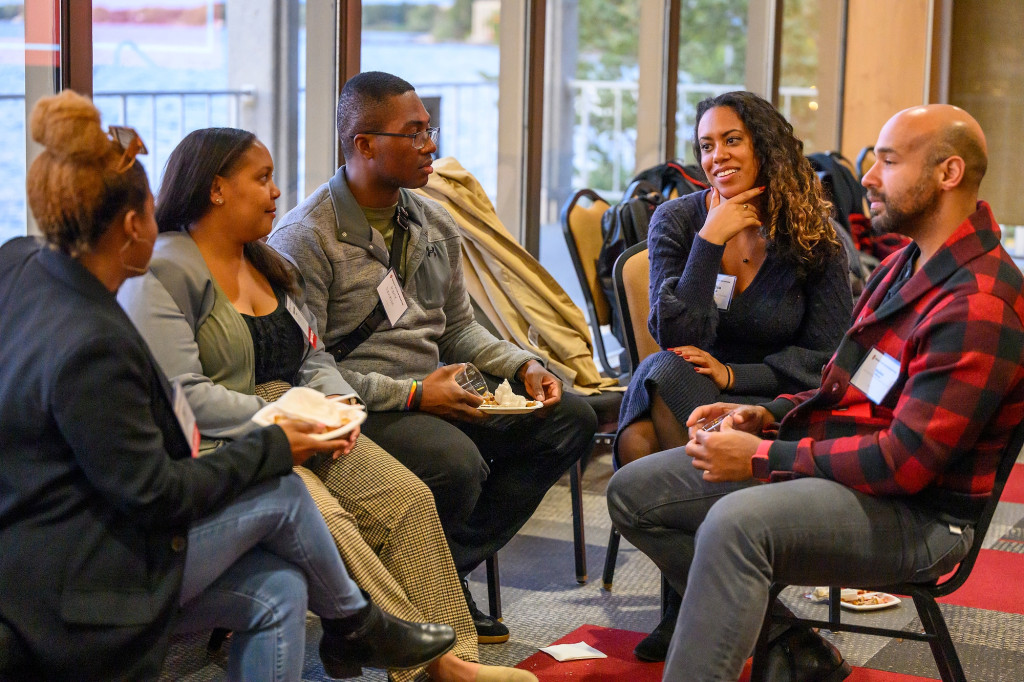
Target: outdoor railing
602	137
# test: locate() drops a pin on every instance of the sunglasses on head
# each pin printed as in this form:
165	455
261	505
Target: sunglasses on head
130	142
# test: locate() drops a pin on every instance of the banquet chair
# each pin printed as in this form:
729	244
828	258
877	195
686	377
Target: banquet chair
632	276
924	594
581	226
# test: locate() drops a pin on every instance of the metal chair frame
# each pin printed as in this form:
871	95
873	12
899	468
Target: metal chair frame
924	594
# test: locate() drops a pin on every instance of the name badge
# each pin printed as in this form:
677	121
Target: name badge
876	375
300	320
723	291
392	296
186	418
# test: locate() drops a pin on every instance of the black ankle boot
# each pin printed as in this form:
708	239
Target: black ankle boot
654	647
374	639
800	654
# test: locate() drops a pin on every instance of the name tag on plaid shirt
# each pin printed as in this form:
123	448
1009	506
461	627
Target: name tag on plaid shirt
876	375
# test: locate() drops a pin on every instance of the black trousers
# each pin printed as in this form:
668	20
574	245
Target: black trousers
487	478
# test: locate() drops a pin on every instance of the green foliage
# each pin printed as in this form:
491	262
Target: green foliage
455	23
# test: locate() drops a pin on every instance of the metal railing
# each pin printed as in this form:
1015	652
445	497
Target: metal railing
602	139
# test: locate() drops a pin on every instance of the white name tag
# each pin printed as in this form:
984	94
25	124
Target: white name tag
392	296
186	418
876	375
723	291
300	320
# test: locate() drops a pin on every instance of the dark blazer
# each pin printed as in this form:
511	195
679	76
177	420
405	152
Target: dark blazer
97	486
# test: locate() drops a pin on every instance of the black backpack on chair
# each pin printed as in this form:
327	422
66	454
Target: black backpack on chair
624	225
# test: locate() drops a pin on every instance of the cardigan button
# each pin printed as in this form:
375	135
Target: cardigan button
344	234
178	543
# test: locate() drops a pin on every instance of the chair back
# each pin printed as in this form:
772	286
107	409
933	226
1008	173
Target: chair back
632	277
581	225
1003	471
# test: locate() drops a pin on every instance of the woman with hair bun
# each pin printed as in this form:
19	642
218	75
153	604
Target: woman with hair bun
113	534
749	289
225	315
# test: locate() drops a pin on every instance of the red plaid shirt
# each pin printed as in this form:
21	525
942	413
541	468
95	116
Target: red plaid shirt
955	329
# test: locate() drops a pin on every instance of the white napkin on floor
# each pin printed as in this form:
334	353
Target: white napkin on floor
572	652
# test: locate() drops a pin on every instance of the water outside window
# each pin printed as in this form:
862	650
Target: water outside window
29	60
168	67
449	52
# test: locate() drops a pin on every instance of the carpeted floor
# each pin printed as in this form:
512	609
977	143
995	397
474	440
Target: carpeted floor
542	603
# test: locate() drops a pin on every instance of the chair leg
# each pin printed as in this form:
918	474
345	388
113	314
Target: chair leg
758	671
946	658
493	587
578	540
609	559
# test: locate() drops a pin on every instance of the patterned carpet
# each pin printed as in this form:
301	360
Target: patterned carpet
542	601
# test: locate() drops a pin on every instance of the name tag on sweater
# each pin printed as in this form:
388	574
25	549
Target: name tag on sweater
392	296
724	287
876	375
300	320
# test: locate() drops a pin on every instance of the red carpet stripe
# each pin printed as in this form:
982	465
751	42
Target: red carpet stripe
621	665
994	584
1014	490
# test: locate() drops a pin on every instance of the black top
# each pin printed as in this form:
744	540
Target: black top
277	343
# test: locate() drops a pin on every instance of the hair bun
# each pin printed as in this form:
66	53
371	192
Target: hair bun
68	125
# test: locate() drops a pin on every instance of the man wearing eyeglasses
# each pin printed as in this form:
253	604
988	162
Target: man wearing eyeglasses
384	277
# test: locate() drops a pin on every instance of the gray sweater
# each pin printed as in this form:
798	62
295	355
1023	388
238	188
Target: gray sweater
343	260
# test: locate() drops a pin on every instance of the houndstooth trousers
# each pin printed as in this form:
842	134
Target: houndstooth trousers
383	520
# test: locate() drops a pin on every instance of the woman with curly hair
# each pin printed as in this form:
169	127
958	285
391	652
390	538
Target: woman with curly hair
749	287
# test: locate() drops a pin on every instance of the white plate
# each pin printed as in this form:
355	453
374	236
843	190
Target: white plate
887	601
498	409
357	419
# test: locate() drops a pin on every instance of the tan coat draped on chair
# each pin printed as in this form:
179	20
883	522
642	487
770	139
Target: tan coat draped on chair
523	301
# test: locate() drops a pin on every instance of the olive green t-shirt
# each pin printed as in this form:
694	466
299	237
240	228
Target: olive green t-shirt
383	220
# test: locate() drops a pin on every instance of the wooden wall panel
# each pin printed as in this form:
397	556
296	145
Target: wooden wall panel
886	65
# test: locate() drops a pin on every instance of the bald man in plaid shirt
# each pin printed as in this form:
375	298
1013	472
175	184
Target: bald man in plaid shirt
877	476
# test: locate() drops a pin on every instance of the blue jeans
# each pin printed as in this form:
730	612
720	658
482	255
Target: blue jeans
722	545
253	567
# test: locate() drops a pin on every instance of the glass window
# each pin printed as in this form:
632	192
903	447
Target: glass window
449	52
590	102
799	98
172	67
712	59
590	98
29	69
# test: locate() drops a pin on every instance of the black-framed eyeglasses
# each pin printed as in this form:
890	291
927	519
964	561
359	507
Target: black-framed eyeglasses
131	142
419	140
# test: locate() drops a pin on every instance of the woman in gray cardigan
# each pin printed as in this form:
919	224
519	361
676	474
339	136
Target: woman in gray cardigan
224	314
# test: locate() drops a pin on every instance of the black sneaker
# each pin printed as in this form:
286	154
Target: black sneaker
489	630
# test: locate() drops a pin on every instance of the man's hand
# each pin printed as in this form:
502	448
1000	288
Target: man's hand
541	384
752	419
303	444
442	396
724	455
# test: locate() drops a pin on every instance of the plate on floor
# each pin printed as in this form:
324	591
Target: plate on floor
500	409
866	600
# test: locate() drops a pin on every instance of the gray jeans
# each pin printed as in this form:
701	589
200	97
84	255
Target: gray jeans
722	545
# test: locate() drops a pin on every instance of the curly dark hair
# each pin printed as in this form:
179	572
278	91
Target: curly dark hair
797	223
